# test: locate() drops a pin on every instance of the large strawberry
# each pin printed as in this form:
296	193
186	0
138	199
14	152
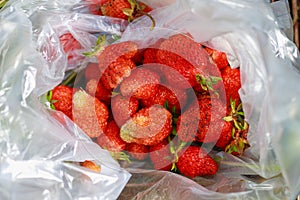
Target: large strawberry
194	161
137	151
111	139
149	126
161	156
96	88
89	114
184	55
232	83
61	98
123	108
141	84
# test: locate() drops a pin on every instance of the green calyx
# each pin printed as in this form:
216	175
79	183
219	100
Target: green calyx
121	156
2	3
207	83
96	50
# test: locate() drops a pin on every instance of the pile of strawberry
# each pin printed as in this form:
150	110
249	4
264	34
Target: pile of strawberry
160	103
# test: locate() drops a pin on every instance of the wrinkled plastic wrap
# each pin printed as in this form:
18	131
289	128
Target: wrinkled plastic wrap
254	38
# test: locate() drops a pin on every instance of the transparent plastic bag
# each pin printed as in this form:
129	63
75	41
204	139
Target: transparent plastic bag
40	149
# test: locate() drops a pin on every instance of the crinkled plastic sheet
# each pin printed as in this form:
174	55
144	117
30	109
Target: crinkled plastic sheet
39	148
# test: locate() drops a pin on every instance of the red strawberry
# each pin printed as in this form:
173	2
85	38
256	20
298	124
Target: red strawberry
141	84
168	95
95	6
150	53
123	108
149	126
194	161
61	99
124	9
137	151
92	71
232	83
89	114
218	57
97	89
111	139
70	45
185	56
161	156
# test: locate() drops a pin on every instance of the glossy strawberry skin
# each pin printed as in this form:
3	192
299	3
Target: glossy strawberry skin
62	99
89	114
161	156
137	151
141	84
96	88
149	126
123	108
194	161
232	83
111	139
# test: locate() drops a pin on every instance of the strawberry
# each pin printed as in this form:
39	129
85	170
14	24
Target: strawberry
61	99
70	45
167	95
123	108
89	114
92	72
185	56
137	151
97	89
124	9
111	139
232	83
150	53
95	6
194	161
91	165
149	126
141	84
218	57
160	156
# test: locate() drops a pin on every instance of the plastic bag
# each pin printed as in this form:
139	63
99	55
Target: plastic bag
40	149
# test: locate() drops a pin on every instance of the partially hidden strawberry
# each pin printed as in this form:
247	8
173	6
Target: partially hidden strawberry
91	165
232	83
150	52
111	139
70	46
141	84
194	161
137	151
161	156
95	6
123	108
92	72
218	57
96	88
149	126
89	114
61	98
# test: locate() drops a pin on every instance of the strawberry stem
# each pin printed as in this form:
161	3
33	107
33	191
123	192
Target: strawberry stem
69	79
96	50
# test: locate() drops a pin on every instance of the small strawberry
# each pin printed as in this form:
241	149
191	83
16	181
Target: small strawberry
92	71
141	84
61	98
218	57
91	165
70	46
111	139
89	114
167	95
160	156
232	83
149	126
194	161
123	108
96	88
137	151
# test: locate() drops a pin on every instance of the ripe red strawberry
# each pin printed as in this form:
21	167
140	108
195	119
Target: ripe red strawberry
218	57
150	53
123	108
184	55
96	88
61	99
92	72
232	83
137	151
168	95
124	9
89	114
160	156
149	126
111	139
95	6
194	161
70	45
141	84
